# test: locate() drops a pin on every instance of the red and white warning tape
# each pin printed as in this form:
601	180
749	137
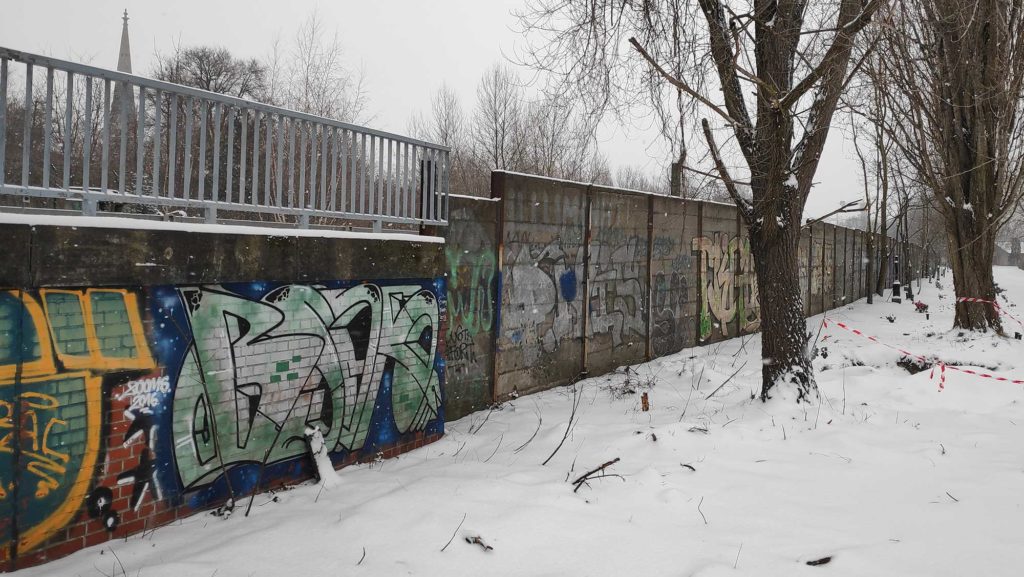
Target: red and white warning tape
941	365
994	304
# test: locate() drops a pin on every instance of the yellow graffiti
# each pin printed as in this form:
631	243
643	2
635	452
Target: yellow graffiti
44	365
95	359
730	290
46	462
82	356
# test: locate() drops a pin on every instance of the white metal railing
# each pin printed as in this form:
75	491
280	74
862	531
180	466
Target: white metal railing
165	145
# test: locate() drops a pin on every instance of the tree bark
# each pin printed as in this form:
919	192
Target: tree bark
972	275
783	328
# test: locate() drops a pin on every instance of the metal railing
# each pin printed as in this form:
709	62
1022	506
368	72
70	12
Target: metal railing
157	144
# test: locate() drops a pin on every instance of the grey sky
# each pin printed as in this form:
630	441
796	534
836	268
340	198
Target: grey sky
408	48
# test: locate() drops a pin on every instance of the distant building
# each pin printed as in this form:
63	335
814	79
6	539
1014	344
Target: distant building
1007	253
124	64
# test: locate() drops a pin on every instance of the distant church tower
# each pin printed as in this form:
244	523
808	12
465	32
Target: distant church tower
126	99
124	64
124	57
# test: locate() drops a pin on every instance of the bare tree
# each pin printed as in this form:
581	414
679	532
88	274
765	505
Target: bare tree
496	131
635	178
780	67
311	75
214	69
957	74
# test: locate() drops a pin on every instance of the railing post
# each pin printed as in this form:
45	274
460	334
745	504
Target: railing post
211	214
304	220
88	207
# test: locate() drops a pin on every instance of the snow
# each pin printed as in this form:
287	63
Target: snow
885	475
77	221
317	448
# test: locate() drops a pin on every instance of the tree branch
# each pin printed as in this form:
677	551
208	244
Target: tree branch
835	52
679	83
741	203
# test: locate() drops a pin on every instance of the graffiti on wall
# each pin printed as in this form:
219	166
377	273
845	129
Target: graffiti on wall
616	304
263	363
472	290
471	280
56	349
729	284
670	294
220	380
543	304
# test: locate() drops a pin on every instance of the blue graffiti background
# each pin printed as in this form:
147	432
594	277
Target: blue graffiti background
170	342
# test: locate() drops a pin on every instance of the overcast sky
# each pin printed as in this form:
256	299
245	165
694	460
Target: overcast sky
407	48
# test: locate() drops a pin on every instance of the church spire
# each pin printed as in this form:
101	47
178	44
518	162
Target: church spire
124	57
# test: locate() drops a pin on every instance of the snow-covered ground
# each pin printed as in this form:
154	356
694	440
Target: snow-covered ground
886	476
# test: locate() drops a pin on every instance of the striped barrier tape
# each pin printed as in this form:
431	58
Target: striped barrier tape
994	304
937	363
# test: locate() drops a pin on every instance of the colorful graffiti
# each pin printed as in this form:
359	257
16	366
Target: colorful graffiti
471	284
543	305
260	370
102	414
56	347
729	285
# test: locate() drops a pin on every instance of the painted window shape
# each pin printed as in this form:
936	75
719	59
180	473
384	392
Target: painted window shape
23	337
67	323
99	329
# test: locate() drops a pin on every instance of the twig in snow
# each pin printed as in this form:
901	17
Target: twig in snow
947	492
702	512
449	540
540	420
821	561
126	572
943	448
844	389
577	396
688	466
737	562
783	432
364	557
589	474
726	381
483	422
687	405
496	447
478	541
700	378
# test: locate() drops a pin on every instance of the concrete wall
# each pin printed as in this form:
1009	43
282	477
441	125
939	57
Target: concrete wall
472	268
145	375
592	278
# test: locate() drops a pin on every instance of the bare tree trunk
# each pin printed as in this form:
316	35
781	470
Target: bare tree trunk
869	277
783	334
972	275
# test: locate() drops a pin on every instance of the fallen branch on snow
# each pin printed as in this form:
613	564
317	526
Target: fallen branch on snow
478	541
591	474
